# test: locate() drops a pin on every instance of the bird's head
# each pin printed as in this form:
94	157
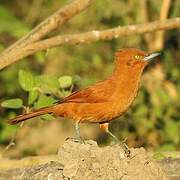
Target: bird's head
133	58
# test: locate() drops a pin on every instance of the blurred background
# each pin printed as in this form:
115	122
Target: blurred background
154	119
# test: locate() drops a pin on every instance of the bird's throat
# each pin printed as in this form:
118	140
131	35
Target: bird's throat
128	75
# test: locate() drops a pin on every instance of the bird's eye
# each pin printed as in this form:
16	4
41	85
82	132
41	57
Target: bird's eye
137	57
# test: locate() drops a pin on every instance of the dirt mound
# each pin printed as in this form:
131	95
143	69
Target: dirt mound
89	161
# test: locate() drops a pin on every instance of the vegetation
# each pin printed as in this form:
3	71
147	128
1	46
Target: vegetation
44	78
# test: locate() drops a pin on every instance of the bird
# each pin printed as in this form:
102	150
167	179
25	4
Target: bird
105	100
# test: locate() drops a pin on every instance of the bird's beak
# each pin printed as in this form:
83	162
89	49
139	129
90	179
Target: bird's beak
151	56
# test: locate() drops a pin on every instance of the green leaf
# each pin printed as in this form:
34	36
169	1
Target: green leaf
65	81
44	101
26	80
12	103
33	95
48	84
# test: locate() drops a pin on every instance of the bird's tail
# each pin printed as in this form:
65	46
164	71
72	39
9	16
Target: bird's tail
27	116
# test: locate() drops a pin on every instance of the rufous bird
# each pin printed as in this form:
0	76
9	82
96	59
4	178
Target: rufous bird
105	100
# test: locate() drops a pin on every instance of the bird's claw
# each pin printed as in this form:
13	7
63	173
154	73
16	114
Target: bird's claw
76	140
126	148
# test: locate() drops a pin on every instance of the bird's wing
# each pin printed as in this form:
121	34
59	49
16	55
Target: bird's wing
98	93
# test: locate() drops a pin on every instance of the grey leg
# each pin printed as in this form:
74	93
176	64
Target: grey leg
105	126
78	134
113	136
122	143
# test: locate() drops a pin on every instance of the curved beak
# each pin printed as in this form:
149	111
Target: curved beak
151	56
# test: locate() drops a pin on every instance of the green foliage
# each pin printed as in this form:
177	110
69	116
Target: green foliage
38	87
65	82
47	84
172	130
10	24
26	80
7	132
44	101
43	91
12	103
33	95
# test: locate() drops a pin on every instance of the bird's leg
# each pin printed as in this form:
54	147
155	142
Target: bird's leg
126	149
78	134
78	137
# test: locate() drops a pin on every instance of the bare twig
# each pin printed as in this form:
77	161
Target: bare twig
155	41
145	17
159	36
12	141
87	37
165	9
51	23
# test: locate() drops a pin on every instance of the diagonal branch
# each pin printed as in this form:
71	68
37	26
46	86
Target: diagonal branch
52	22
86	37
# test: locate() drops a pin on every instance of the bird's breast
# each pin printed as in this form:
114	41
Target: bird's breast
124	95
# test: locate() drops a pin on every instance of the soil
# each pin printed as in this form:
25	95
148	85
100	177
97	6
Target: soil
90	162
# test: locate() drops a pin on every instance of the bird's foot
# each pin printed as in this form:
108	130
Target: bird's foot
81	140
126	149
76	140
124	146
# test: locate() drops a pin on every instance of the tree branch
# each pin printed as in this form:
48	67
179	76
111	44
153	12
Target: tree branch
86	37
52	22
